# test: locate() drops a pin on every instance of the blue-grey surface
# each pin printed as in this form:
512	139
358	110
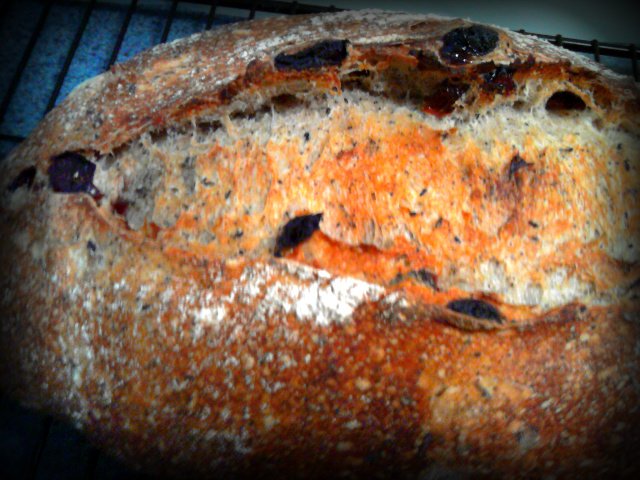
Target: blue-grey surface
37	82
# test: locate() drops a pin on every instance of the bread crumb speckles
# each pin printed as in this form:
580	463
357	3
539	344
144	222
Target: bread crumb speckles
211	315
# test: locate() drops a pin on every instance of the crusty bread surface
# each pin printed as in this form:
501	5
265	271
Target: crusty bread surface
365	244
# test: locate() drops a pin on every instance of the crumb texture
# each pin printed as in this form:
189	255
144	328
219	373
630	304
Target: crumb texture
509	203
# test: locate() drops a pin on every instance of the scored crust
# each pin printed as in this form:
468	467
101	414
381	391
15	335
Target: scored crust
437	189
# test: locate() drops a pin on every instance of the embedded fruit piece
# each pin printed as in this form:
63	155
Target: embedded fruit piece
475	308
500	80
329	52
442	101
297	231
70	172
462	44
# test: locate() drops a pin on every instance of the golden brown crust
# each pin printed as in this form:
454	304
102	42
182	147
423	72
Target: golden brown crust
188	357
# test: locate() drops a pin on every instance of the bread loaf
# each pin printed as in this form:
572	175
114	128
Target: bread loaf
360	244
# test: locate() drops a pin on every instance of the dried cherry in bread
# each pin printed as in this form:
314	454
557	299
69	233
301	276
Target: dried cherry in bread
70	172
475	308
465	43
325	53
296	231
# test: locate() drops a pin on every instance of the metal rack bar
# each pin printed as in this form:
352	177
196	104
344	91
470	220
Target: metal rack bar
70	55
170	16
618	50
11	138
596	49
123	31
270	6
252	12
212	14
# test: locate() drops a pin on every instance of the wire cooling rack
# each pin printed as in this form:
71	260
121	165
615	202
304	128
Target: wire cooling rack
48	47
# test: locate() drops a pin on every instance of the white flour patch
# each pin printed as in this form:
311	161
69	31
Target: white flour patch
311	294
321	301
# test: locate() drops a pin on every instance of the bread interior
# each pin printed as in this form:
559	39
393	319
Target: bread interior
527	198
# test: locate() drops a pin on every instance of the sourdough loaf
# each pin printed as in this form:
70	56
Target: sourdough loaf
363	243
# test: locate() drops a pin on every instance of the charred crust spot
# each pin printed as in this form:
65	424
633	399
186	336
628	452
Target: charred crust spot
565	101
296	231
285	100
635	285
227	93
427	61
120	206
475	308
442	100
328	52
70	172
461	44
500	80
517	162
91	246
24	179
425	277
